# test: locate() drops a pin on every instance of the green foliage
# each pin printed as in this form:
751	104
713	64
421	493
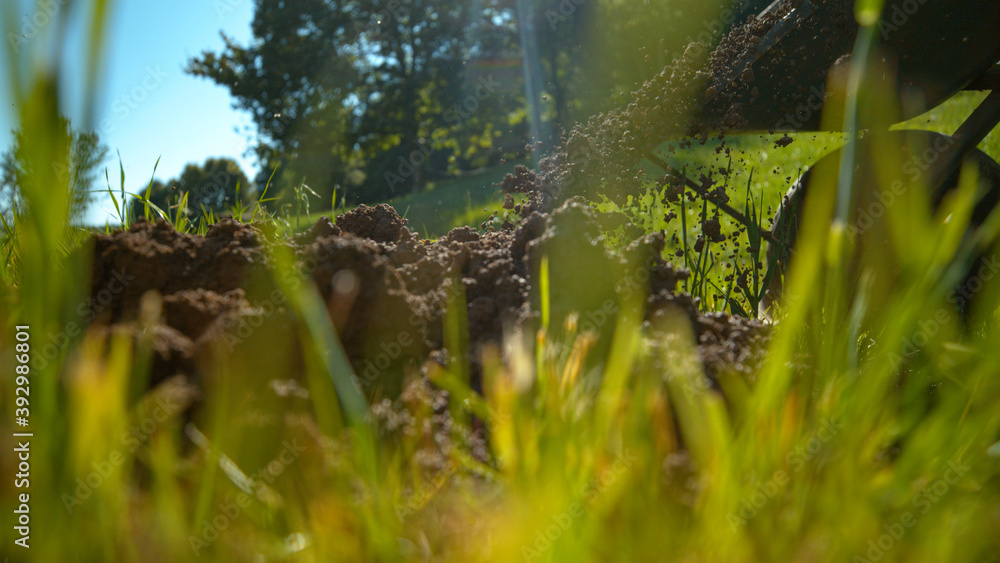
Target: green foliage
79	169
376	99
595	53
340	92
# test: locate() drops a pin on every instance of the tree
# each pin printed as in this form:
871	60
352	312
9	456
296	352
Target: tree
214	187
379	86
79	169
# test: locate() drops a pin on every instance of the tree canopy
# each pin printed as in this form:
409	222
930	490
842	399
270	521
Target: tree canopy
372	96
375	97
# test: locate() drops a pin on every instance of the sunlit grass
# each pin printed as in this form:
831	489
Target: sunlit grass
756	169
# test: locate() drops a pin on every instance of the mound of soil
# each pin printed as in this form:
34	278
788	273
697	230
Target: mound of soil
387	291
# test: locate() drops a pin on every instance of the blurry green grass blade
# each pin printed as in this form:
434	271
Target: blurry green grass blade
96	38
148	205
955	214
461	393
255	488
800	295
308	305
543	290
149	188
181	217
456	332
867	12
618	369
112	194
849	154
121	167
10	30
261	200
701	413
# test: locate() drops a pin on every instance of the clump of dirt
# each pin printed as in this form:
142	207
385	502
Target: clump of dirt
379	223
387	291
769	73
154	256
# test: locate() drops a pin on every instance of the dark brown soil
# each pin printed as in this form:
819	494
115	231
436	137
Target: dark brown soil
387	291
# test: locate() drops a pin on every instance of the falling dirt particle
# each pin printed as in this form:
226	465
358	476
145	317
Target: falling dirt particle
713	230
783	142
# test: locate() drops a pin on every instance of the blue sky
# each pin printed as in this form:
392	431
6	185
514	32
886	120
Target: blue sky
147	107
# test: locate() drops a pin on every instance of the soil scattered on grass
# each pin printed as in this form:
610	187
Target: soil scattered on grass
387	291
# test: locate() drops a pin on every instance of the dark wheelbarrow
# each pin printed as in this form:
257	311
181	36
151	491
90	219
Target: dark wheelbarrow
774	74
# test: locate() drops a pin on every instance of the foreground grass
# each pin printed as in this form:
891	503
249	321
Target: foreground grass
851	443
869	434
